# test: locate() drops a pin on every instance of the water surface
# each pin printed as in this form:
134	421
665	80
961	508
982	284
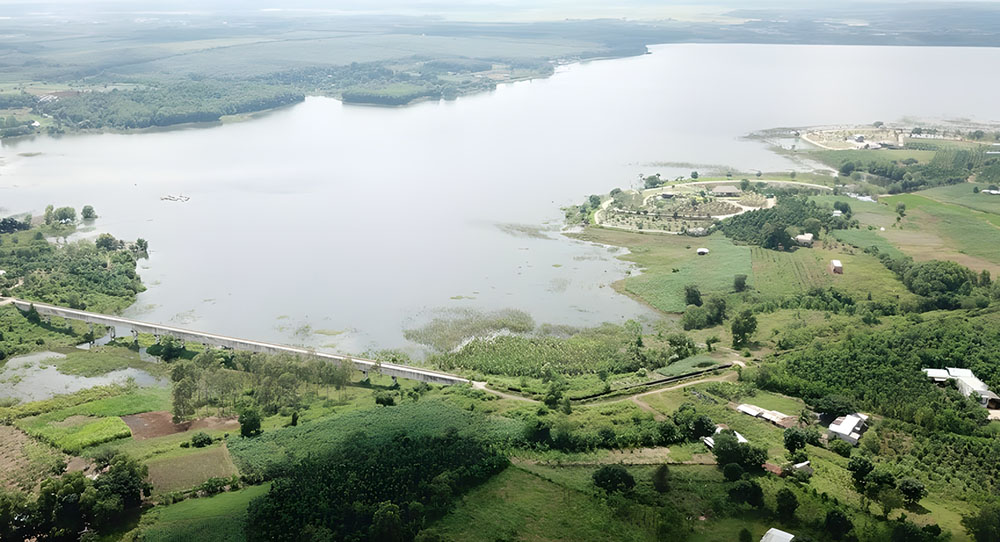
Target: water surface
338	226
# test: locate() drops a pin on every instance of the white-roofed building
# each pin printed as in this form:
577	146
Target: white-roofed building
806	239
725	191
836	267
967	384
750	410
849	428
777	535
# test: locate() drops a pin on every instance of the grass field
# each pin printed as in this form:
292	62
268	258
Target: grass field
962	194
185	471
76	427
882	156
669	263
697	362
865	238
221	518
519	505
936	230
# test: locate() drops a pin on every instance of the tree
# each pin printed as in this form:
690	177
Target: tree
250	423
740	283
702	426
787	503
744	184
732	472
692	295
384	398
889	498
387	523
200	440
594	200
14	513
125	479
913	490
88	212
860	468
694	174
795	439
837	525
712	340
841	447
747	491
142	245
50	214
65	215
984	526
812	225
834	405
716	309
745	535
170	347
743	326
613	478
661	478
901	209
183	397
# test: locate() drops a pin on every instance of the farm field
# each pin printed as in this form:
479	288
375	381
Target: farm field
962	194
935	230
187	470
25	461
779	273
220	518
74	428
669	263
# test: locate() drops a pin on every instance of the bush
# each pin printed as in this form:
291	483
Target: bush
200	440
661	479
732	472
841	448
613	478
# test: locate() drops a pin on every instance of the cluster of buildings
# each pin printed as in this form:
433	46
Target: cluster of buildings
967	384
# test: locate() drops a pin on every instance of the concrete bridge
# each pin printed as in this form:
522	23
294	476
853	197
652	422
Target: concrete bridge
158	330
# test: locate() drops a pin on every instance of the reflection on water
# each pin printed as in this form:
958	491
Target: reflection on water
29	378
369	220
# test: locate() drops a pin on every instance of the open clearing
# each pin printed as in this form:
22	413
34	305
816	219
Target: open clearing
160	423
221	518
669	263
518	505
189	470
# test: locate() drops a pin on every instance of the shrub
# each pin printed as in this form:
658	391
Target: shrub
200	440
613	478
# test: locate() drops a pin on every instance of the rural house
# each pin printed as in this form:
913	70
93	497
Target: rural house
777	535
967	384
725	191
849	428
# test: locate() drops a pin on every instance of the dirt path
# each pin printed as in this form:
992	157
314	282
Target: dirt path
500	394
659	416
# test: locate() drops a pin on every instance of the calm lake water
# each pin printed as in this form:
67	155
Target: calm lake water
361	221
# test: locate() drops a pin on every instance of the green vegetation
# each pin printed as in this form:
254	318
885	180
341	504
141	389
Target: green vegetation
78	275
76	427
221	517
379	489
445	334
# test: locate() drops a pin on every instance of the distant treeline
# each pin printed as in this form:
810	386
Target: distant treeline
948	166
177	103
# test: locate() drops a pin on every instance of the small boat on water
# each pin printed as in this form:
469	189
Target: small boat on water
169	197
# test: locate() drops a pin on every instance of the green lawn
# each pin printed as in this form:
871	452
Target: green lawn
962	194
880	156
697	362
221	518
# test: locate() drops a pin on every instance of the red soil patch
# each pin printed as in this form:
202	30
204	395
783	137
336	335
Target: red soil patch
160	423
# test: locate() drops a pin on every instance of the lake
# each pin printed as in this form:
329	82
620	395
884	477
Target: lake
339	226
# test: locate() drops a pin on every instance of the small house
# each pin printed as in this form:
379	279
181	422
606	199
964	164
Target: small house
777	535
773	416
836	267
725	191
702	251
838	212
806	239
849	428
